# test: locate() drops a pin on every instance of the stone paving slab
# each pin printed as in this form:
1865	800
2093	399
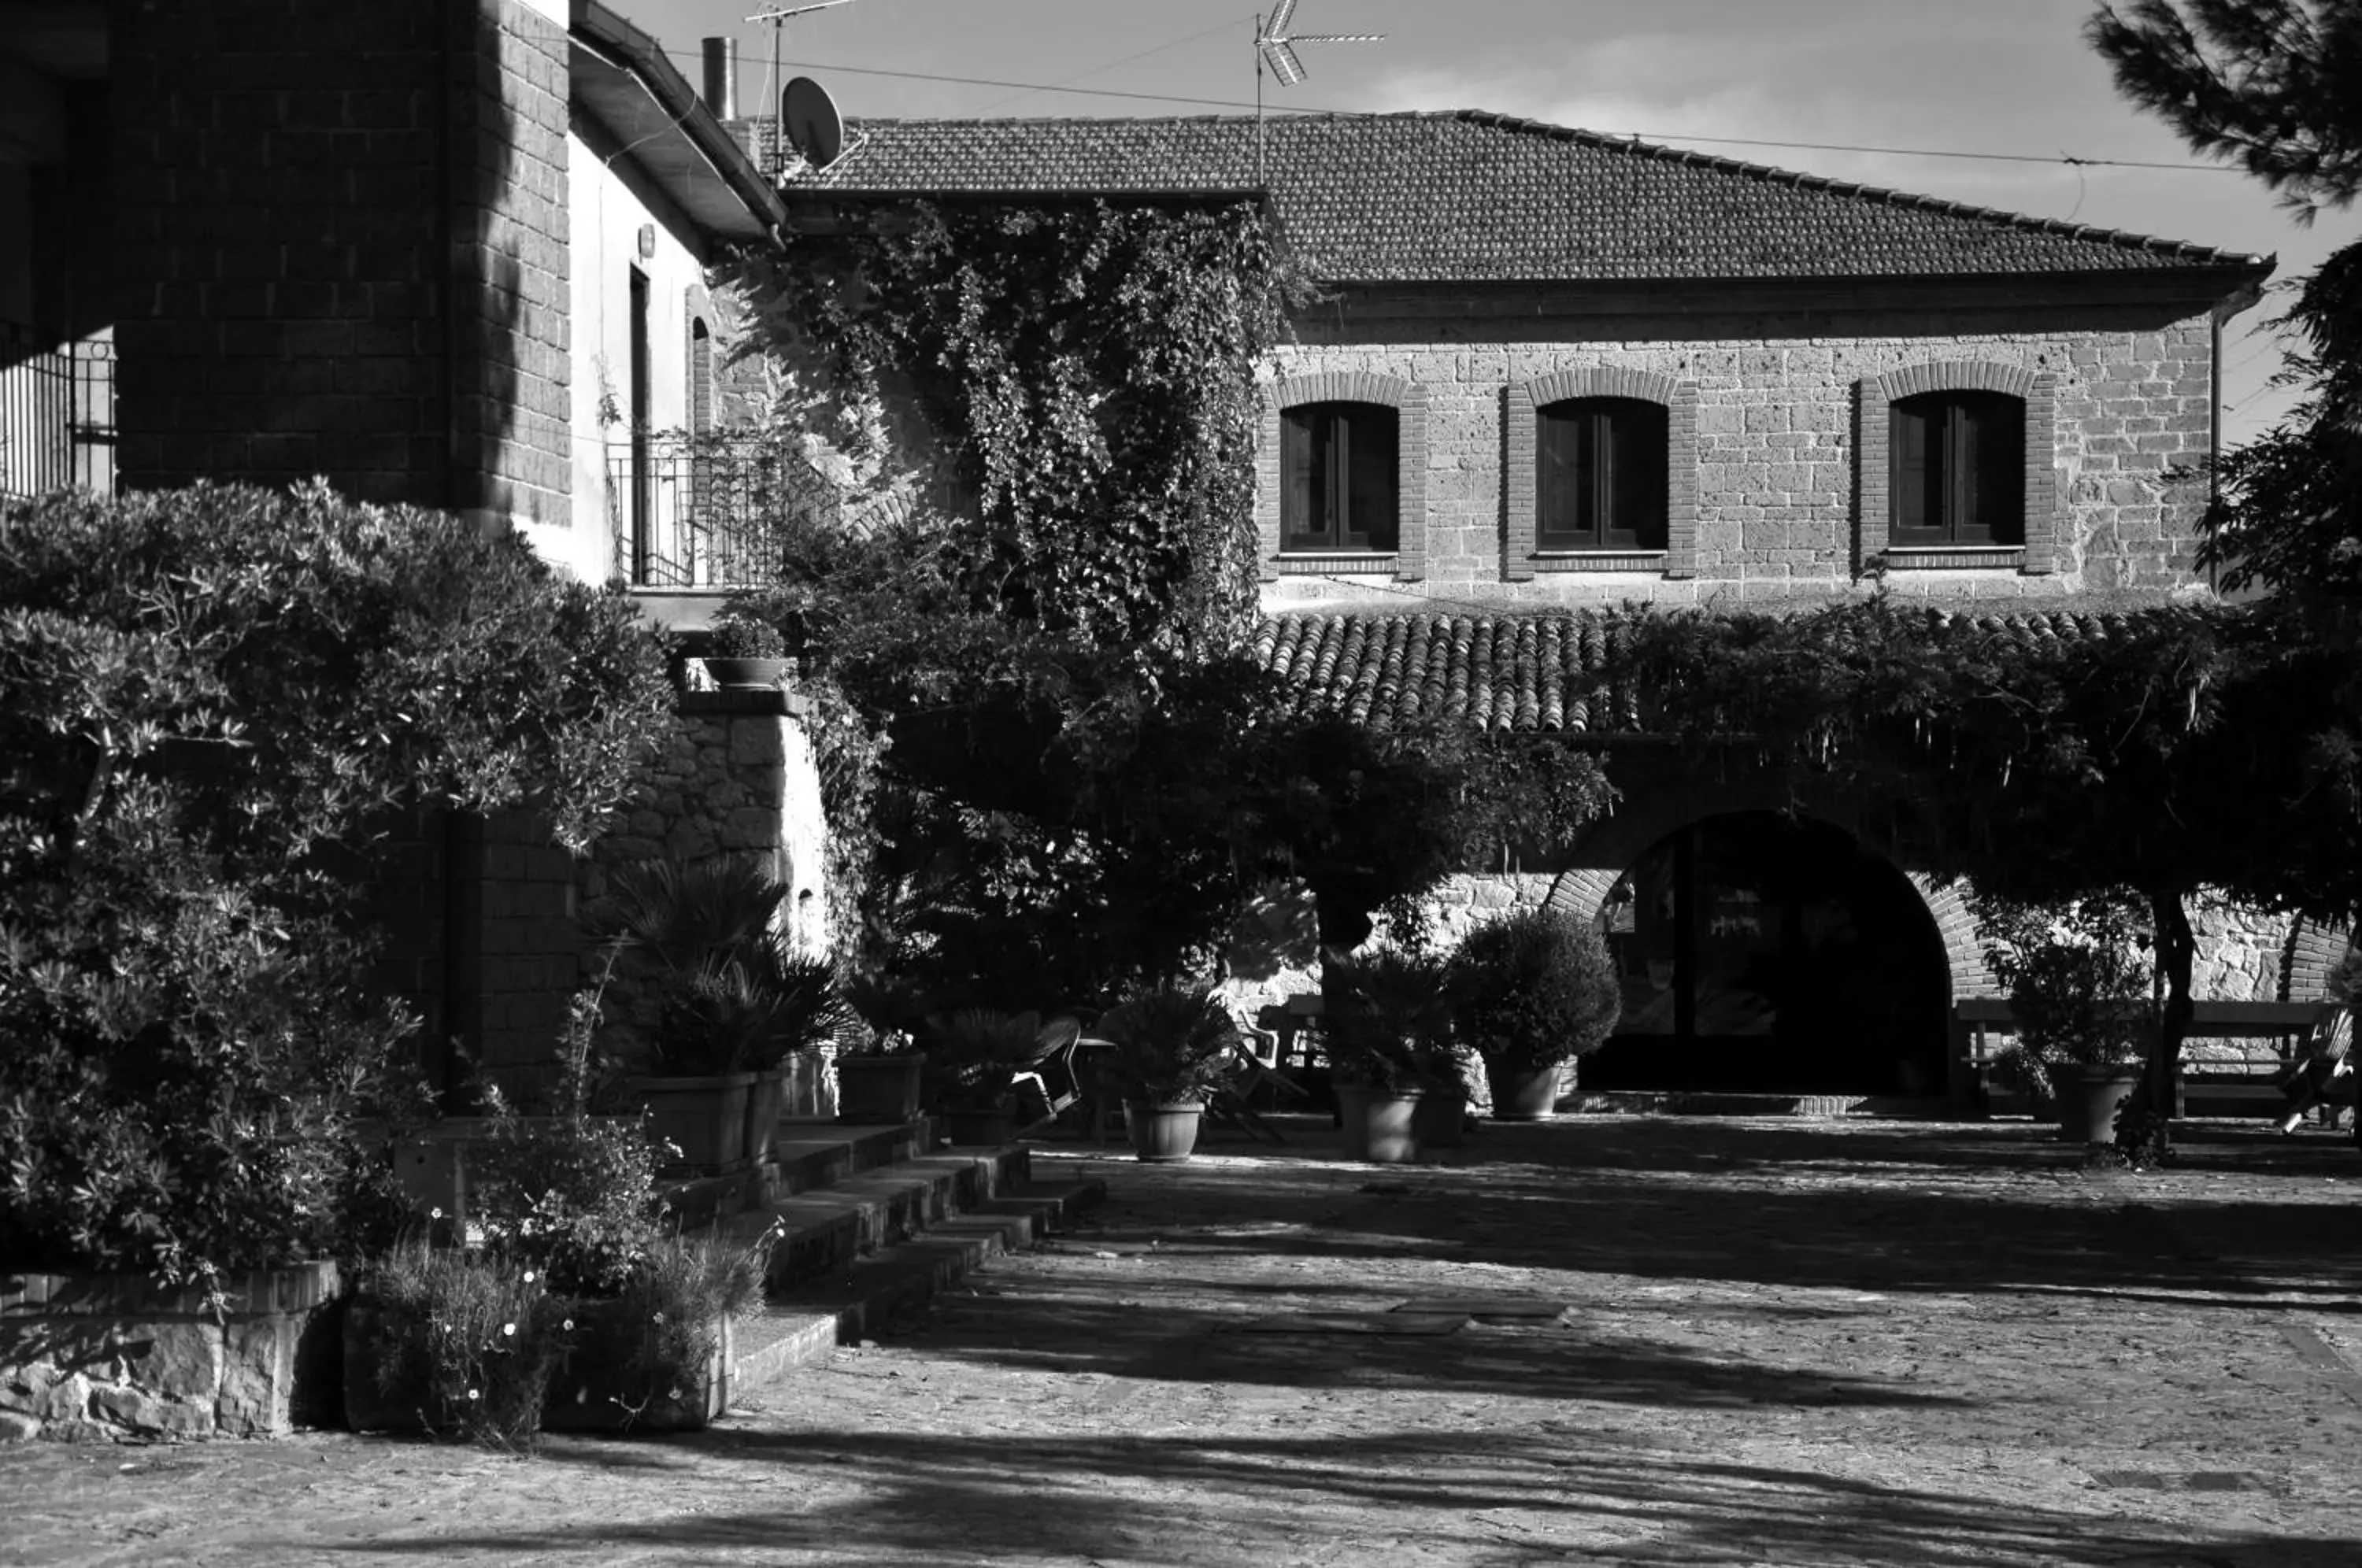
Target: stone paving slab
1845	1343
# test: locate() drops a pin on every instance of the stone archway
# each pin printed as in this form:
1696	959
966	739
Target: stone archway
1769	952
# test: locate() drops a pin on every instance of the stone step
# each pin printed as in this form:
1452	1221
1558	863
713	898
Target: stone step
821	1230
805	1322
809	1154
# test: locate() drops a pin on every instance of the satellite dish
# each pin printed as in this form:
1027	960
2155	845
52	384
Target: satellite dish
812	124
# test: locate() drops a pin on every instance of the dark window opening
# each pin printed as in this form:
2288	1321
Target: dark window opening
643	499
1339	484
700	379
1600	475
1959	469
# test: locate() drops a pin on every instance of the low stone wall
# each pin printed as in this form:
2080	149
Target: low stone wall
98	1357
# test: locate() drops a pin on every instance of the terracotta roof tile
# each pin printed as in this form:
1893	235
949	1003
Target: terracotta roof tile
1515	674
1471	196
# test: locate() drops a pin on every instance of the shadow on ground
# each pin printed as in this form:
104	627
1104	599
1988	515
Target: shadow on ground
1187	1500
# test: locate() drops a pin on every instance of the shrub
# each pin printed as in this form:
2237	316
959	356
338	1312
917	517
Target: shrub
1533	988
1173	1043
472	1337
1384	1023
210	700
745	636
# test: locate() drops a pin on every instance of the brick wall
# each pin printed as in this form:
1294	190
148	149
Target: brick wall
1778	497
341	231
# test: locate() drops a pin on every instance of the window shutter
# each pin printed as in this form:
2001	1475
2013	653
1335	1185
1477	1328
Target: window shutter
1635	466
1297	516
1913	470
1373	521
1992	465
1558	478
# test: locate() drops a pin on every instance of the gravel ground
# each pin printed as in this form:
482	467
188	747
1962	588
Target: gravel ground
1696	1341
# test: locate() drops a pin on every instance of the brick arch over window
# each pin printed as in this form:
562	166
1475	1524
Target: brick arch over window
1523	402
1876	395
1408	400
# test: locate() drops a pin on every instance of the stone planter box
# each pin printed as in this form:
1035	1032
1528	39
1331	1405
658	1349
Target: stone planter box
97	1357
594	1389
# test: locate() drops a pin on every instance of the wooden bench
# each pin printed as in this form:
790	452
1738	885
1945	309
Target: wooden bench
2269	1033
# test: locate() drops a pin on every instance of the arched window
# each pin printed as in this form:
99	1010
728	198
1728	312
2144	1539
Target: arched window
1338	478
1957	469
1600	475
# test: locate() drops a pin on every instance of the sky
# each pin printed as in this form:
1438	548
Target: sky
1918	77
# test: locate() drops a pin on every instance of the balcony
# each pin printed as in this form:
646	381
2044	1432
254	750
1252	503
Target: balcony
708	511
56	413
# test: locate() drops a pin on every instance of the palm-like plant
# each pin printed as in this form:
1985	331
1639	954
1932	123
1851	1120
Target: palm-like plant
732	994
1173	1043
1386	1023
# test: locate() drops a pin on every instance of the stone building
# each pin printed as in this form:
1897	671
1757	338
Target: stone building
1552	371
444	252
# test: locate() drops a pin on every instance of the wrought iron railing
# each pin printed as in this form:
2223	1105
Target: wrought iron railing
56	413
694	511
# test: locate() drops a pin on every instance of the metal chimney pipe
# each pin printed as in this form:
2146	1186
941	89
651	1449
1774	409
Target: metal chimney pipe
722	78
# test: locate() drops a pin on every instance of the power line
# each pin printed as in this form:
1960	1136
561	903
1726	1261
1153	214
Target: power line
1024	87
1064	83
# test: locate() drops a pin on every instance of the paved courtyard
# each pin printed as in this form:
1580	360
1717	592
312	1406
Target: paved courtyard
1859	1341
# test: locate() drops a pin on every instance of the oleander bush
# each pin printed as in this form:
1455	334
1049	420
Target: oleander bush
210	702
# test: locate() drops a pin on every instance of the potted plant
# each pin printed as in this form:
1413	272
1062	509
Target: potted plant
973	1057
879	1067
744	652
806	1012
1530	992
2081	997
1382	1024
695	944
1174	1046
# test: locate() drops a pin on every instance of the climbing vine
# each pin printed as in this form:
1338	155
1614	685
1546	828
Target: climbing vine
1085	375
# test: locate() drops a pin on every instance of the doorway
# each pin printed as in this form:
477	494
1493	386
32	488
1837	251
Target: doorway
1761	953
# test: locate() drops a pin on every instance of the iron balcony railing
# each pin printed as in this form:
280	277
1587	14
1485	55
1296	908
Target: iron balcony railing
694	511
56	413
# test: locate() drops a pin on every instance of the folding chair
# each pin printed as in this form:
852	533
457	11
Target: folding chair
1046	1081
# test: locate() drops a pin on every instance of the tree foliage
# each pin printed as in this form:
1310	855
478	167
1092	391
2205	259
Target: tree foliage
2271	84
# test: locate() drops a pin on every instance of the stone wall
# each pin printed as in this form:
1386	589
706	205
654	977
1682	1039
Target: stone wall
1775	406
101	1357
737	779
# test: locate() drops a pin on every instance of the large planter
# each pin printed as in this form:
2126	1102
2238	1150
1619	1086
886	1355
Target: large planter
766	1099
1523	1094
2088	1097
1163	1135
1380	1125
1442	1120
705	1117
605	1382
878	1088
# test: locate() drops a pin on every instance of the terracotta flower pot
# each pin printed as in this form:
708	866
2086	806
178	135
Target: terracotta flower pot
746	674
1523	1094
1380	1124
2088	1097
1163	1135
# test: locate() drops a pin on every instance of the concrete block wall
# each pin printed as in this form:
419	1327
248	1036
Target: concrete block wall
1778	505
342	232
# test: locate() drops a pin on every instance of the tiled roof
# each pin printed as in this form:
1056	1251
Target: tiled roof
1471	196
1518	674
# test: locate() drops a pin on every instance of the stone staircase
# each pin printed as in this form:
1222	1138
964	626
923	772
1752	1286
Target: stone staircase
872	1220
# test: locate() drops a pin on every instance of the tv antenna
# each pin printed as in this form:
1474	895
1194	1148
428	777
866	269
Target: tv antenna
778	17
1275	50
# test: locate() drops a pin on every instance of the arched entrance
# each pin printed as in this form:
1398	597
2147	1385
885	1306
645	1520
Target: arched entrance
1765	953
